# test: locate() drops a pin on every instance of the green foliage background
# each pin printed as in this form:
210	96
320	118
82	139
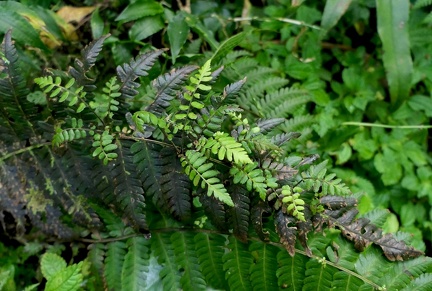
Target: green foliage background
359	82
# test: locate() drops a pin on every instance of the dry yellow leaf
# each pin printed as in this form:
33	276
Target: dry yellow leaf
74	14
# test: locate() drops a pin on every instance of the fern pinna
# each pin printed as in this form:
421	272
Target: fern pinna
192	191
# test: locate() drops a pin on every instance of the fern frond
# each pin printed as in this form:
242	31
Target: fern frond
115	256
135	265
168	87
215	211
343	281
212	118
186	258
80	68
291	270
231	91
200	172
422	3
210	249
318	276
127	73
282	102
175	185
226	147
239	214
72	133
237	262
424	282
127	187
163	250
16	113
263	271
252	176
96	256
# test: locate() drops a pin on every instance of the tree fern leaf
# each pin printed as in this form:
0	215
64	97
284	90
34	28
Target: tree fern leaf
239	214
127	187
175	185
136	68
186	258
263	271
285	227
163	250
318	276
210	249
227	147
149	166
372	266
237	262
135	265
248	100
96	257
215	211
422	283
167	87
343	281
115	256
267	124
282	102
258	209
291	272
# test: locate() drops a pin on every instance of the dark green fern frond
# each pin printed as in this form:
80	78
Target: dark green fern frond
127	187
215	211
149	166
237	262
81	67
210	250
175	185
135	265
239	214
232	91
168	87
263	271
16	113
128	73
187	260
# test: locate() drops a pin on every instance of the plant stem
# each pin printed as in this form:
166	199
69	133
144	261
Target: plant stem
368	124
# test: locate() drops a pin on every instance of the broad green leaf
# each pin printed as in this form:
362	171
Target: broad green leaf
178	31
140	9
96	24
196	25
146	27
393	17
22	31
51	264
333	11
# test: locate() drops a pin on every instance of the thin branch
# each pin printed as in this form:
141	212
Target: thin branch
367	124
23	150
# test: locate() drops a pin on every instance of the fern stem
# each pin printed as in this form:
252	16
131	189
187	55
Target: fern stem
327	262
368	124
281	19
23	150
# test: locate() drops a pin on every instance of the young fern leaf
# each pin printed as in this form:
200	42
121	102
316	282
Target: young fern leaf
75	132
254	178
200	173
226	147
55	89
105	104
